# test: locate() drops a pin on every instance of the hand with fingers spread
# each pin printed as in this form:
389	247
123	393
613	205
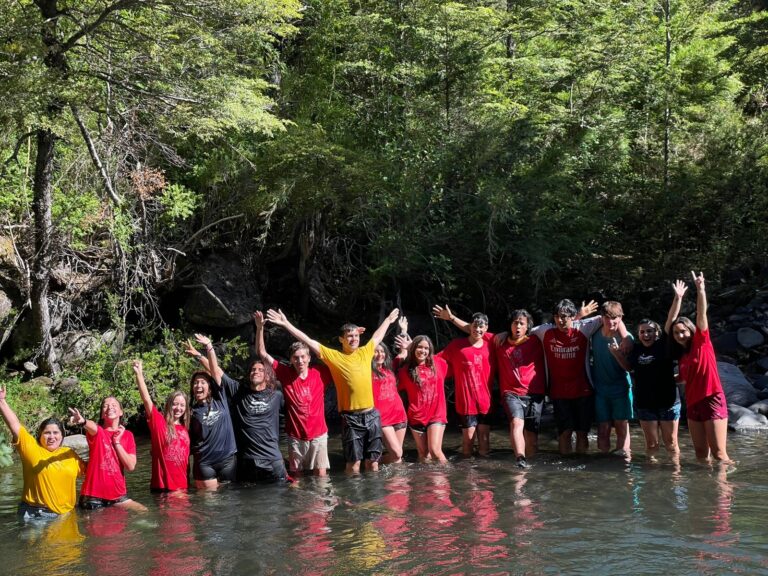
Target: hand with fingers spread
442	312
277	317
403	341
204	340
679	288
587	309
75	418
402	324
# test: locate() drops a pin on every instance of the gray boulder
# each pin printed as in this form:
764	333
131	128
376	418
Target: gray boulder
743	419
760	407
738	390
78	443
727	343
763	363
749	338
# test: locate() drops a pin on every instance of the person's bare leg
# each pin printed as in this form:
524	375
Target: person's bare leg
565	442
393	443
582	442
353	468
419	438
483	439
622	435
531	443
210	484
669	435
467	441
651	434
699	438
604	437
717	434
517	437
435	443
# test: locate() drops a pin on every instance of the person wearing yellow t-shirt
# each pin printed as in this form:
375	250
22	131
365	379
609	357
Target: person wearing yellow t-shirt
50	469
351	371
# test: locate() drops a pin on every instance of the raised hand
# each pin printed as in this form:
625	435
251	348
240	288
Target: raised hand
680	288
403	341
75	418
698	280
258	319
120	431
190	349
276	317
393	315
203	339
444	313
587	309
402	324
137	367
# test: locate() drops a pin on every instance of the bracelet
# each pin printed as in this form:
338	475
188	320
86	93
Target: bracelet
208	347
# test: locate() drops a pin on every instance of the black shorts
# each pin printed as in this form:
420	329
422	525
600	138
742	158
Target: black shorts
257	471
399	426
527	408
224	470
361	435
93	503
575	414
474	420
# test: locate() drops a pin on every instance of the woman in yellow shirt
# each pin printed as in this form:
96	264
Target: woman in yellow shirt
50	469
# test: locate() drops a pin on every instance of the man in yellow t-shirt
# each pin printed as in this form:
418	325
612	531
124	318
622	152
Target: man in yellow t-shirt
351	371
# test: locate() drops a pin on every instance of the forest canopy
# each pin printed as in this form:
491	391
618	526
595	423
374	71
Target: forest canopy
347	154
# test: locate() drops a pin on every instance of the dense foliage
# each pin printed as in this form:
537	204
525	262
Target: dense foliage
357	154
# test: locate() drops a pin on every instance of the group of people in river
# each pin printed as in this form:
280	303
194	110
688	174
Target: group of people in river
590	367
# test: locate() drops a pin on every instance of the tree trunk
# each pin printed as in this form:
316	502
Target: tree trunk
41	265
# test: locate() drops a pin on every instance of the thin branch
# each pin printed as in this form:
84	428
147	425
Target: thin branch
211	225
212	295
95	158
91	26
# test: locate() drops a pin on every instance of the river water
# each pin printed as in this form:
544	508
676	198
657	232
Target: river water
579	515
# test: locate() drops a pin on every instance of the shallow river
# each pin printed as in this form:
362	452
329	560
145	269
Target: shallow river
595	515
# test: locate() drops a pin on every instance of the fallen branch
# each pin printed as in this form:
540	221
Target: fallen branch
212	295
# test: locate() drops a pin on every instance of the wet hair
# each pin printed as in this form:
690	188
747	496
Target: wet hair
387	361
611	308
566	308
522	312
479	317
412	364
48	422
168	414
269	375
348	327
295	347
207	377
679	348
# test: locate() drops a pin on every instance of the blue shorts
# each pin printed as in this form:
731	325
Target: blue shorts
30	511
610	409
473	420
527	408
224	470
659	414
94	503
361	435
574	414
422	428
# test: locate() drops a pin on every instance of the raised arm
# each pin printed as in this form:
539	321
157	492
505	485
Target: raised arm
701	302
279	319
9	415
138	372
679	288
444	313
261	348
213	364
381	331
77	419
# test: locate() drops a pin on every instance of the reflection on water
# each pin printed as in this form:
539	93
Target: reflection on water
595	514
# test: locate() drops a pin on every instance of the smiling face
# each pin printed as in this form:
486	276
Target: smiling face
350	340
379	355
300	360
477	330
201	389
682	334
611	322
257	376
178	407
647	334
421	351
111	410
51	437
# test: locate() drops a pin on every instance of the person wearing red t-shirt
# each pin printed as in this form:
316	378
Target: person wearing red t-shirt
169	433
522	382
111	451
470	361
304	392
566	349
422	377
704	398
388	403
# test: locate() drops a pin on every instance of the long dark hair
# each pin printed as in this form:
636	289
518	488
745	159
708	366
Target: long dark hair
387	361
412	365
678	348
201	374
269	374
